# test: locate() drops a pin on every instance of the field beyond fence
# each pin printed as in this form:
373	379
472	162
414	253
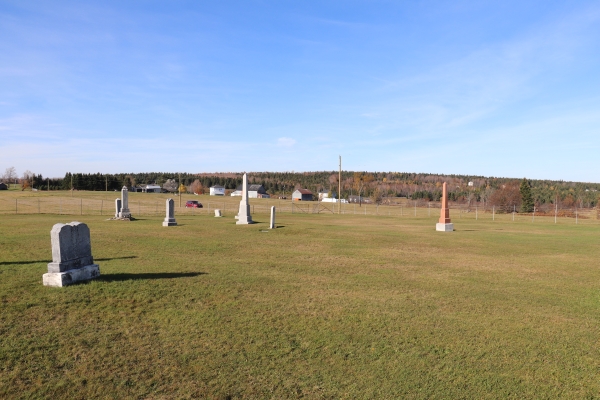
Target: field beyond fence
153	204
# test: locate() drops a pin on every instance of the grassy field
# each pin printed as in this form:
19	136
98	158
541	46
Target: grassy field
324	306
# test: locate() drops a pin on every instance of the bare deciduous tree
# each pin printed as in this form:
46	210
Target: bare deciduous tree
196	187
27	180
361	180
10	175
170	185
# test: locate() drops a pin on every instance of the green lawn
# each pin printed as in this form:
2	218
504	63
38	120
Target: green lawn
325	306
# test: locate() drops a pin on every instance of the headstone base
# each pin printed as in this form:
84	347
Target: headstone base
170	222
444	227
123	215
244	222
60	279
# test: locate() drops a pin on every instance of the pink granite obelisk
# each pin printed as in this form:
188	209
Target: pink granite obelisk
444	224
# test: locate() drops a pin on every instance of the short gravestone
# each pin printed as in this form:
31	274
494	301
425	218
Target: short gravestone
117	207
72	259
272	224
218	213
170	217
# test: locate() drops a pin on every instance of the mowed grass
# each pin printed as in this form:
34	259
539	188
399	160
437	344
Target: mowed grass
325	306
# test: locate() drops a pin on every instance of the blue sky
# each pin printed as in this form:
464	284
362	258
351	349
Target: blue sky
464	87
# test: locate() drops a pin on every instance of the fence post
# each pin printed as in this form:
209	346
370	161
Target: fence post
101	206
475	213
429	209
576	219
533	215
81	206
60	207
139	209
415	208
39	212
493	213
16	206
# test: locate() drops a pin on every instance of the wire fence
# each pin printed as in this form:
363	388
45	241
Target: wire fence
152	207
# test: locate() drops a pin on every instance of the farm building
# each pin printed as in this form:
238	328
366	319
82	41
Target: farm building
302	195
217	190
151	189
3	186
254	192
359	199
146	188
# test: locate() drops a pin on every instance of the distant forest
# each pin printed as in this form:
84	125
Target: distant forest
380	187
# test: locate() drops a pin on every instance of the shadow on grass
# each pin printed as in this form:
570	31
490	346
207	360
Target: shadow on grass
158	275
114	258
24	262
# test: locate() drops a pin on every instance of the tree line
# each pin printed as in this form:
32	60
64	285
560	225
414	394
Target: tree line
506	194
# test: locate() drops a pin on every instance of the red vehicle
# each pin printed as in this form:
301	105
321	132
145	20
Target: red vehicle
193	204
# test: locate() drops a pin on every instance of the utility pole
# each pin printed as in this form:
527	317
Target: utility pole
340	188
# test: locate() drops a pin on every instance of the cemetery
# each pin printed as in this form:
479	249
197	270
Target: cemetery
326	305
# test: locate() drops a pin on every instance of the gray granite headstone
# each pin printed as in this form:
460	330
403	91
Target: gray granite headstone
72	259
170	217
244	217
117	207
124	213
272	224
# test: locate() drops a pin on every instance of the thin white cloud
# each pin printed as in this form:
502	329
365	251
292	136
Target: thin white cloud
285	142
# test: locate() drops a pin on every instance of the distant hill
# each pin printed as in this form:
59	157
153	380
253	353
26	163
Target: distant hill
380	185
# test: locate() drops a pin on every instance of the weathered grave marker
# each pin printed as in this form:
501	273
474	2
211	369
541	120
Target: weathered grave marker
117	207
124	213
170	211
272	224
72	259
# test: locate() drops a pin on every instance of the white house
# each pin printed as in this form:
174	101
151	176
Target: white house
150	188
217	190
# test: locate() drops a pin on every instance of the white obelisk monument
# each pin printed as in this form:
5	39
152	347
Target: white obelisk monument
244	217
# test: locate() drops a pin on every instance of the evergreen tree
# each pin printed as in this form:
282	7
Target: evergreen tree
526	197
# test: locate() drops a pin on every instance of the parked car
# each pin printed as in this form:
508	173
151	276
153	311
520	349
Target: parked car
193	204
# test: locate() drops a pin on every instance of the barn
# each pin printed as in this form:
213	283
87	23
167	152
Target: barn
302	195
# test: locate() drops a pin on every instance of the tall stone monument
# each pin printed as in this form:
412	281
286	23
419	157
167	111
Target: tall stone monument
170	217
244	217
117	207
124	213
272	224
444	224
72	259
